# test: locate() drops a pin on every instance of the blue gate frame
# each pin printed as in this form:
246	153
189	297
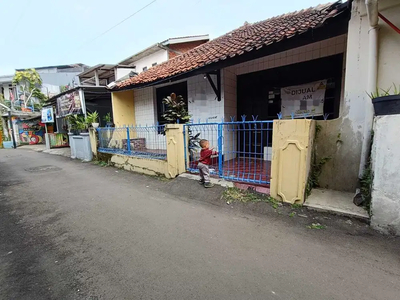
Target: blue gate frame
244	149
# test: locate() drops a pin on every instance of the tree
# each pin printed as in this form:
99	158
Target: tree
30	83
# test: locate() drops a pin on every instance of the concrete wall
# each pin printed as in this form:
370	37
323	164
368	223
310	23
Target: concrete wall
291	159
121	72
123	107
340	171
385	166
157	57
356	111
152	167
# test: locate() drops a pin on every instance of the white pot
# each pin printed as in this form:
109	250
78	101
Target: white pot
95	125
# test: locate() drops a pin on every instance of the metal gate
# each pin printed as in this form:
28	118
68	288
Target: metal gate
244	149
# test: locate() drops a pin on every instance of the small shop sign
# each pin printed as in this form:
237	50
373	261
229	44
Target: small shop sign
47	115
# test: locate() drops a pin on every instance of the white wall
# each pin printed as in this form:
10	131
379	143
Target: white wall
157	57
356	110
386	166
121	72
6	91
145	106
202	102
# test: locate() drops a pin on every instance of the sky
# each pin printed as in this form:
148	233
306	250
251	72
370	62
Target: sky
38	33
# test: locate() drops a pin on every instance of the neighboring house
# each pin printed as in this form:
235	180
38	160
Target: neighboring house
57	79
6	87
26	123
157	54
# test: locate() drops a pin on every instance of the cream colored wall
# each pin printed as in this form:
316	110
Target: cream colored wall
153	167
291	159
389	45
123	107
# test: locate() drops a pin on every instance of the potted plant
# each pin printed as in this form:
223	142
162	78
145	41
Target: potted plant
93	119
176	110
107	118
82	124
73	124
386	102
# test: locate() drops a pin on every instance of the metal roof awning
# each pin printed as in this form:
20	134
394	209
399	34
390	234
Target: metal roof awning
104	72
88	90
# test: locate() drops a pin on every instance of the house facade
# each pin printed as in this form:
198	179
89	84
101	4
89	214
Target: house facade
241	75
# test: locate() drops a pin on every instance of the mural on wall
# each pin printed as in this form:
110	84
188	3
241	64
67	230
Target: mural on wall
69	104
31	132
58	140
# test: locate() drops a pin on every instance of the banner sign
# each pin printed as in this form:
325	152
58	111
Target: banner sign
304	99
47	115
69	104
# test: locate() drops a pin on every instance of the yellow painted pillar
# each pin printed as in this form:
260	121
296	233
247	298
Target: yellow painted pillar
175	149
292	142
123	107
93	141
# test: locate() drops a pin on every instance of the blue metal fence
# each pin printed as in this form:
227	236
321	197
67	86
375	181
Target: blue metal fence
244	149
138	141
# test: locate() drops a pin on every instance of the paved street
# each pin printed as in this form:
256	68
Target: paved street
73	230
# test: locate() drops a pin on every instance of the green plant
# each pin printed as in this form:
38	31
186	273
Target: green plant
76	122
30	83
315	172
176	109
107	118
81	123
316	226
382	93
296	205
92	117
292	214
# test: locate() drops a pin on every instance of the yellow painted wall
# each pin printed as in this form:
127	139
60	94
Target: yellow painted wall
123	107
155	167
291	159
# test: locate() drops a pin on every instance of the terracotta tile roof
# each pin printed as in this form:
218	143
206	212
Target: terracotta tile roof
244	39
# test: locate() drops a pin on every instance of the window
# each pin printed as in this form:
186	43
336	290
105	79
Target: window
180	89
154	64
144	69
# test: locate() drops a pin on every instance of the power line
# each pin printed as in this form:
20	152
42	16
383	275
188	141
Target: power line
119	23
28	2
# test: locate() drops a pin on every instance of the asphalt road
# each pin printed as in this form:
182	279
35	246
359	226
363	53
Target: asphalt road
72	230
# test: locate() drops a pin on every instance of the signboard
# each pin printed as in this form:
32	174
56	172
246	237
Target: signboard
304	99
47	115
69	104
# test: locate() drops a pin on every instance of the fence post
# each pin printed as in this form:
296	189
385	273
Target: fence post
291	159
175	149
220	145
128	141
93	141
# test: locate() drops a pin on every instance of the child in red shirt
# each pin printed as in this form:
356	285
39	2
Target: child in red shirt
204	162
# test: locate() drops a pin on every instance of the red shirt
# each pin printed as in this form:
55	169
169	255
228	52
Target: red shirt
205	156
